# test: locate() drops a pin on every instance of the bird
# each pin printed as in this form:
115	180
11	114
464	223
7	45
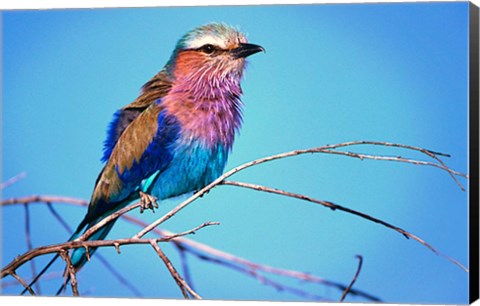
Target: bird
175	137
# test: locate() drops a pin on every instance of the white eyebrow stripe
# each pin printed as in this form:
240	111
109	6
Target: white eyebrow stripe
204	40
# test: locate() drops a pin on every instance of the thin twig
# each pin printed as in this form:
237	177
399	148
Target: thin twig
430	153
59	218
28	238
360	261
21	281
178	279
251	272
56	248
328	149
13	180
236	262
185	267
120	278
209	252
71	271
192	231
43	199
171	213
221	257
106	220
401	159
105	262
46	276
334	206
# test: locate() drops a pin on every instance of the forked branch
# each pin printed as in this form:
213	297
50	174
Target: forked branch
334	206
137	238
328	149
201	251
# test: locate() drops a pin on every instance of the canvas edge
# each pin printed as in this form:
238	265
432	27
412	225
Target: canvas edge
474	151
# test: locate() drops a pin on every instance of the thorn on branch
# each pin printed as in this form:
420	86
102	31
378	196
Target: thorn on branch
87	252
117	247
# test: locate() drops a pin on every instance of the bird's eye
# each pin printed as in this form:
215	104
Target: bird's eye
208	48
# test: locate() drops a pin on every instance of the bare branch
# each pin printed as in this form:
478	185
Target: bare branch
58	217
192	231
29	244
13	180
334	206
208	251
171	213
43	199
57	248
328	149
105	262
46	276
185	267
71	271
252	272
442	166
178	279
360	261
215	255
430	153
120	278
106	220
21	281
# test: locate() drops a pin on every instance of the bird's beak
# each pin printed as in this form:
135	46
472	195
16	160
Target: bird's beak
245	50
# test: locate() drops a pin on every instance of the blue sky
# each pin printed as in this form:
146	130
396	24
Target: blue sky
331	73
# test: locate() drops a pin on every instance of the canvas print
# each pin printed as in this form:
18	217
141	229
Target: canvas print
273	152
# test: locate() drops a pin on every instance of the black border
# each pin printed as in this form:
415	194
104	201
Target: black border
474	153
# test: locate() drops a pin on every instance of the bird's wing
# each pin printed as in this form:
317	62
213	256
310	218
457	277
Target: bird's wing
142	150
156	88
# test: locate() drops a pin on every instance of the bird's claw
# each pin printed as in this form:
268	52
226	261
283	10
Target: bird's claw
147	202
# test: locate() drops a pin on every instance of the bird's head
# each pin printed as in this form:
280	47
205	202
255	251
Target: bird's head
211	53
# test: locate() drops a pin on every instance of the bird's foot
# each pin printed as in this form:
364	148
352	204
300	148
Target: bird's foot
147	202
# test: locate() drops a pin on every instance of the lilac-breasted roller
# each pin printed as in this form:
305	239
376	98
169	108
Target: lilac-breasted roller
176	136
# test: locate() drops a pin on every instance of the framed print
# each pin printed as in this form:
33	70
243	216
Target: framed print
302	152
